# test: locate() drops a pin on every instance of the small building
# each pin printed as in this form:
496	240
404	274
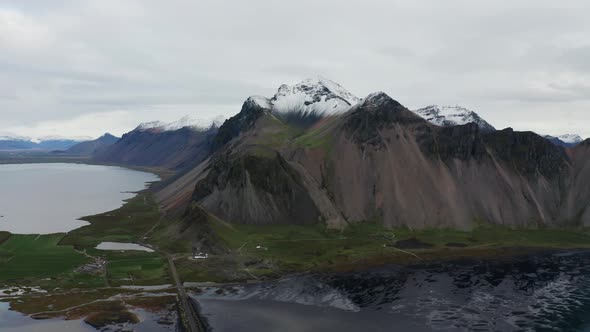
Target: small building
200	255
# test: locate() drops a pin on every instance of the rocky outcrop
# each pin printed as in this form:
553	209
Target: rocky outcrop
253	189
251	111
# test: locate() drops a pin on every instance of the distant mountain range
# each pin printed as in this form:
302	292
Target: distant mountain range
568	140
173	145
46	143
90	148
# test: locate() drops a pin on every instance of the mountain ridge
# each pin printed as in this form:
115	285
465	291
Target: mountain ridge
379	161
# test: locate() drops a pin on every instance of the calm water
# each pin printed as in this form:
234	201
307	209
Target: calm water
49	198
540	293
122	246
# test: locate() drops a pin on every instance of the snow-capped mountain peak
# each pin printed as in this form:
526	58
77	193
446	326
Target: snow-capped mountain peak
260	101
314	96
447	116
184	122
571	138
567	140
14	138
150	125
64	138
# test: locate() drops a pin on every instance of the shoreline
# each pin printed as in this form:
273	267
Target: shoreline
508	254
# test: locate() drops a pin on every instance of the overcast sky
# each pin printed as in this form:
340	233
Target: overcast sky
85	67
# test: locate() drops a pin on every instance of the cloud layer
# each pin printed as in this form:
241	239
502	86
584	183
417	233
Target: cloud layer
86	67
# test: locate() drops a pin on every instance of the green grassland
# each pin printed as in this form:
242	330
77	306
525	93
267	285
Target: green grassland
275	250
136	268
25	256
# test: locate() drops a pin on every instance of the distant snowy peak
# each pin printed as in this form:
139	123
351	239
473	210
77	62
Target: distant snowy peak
571	138
567	140
150	125
184	122
315	97
65	138
15	138
446	116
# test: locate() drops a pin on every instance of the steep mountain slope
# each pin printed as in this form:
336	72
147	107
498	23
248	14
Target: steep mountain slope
382	163
567	140
160	145
89	148
446	116
246	180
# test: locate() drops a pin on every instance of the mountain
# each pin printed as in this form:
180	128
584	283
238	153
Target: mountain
567	140
169	145
59	143
309	101
89	148
445	116
16	143
184	122
380	162
49	143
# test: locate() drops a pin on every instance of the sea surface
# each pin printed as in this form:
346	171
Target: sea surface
49	198
549	292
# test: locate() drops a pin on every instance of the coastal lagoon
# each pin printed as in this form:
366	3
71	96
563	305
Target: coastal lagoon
50	198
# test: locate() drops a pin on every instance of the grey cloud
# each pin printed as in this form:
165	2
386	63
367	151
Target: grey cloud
103	56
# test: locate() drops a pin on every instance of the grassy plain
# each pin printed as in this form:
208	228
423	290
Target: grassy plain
271	251
26	256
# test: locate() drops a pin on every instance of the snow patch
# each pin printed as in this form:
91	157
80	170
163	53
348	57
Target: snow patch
446	116
15	138
571	138
260	101
184	122
64	138
317	96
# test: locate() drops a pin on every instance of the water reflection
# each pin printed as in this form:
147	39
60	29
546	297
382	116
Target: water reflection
533	293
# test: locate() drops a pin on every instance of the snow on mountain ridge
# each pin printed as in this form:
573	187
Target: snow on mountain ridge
184	122
571	138
313	96
15	138
447	115
64	138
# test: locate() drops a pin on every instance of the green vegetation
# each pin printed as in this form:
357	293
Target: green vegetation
275	133
274	250
136	268
25	256
127	224
320	137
